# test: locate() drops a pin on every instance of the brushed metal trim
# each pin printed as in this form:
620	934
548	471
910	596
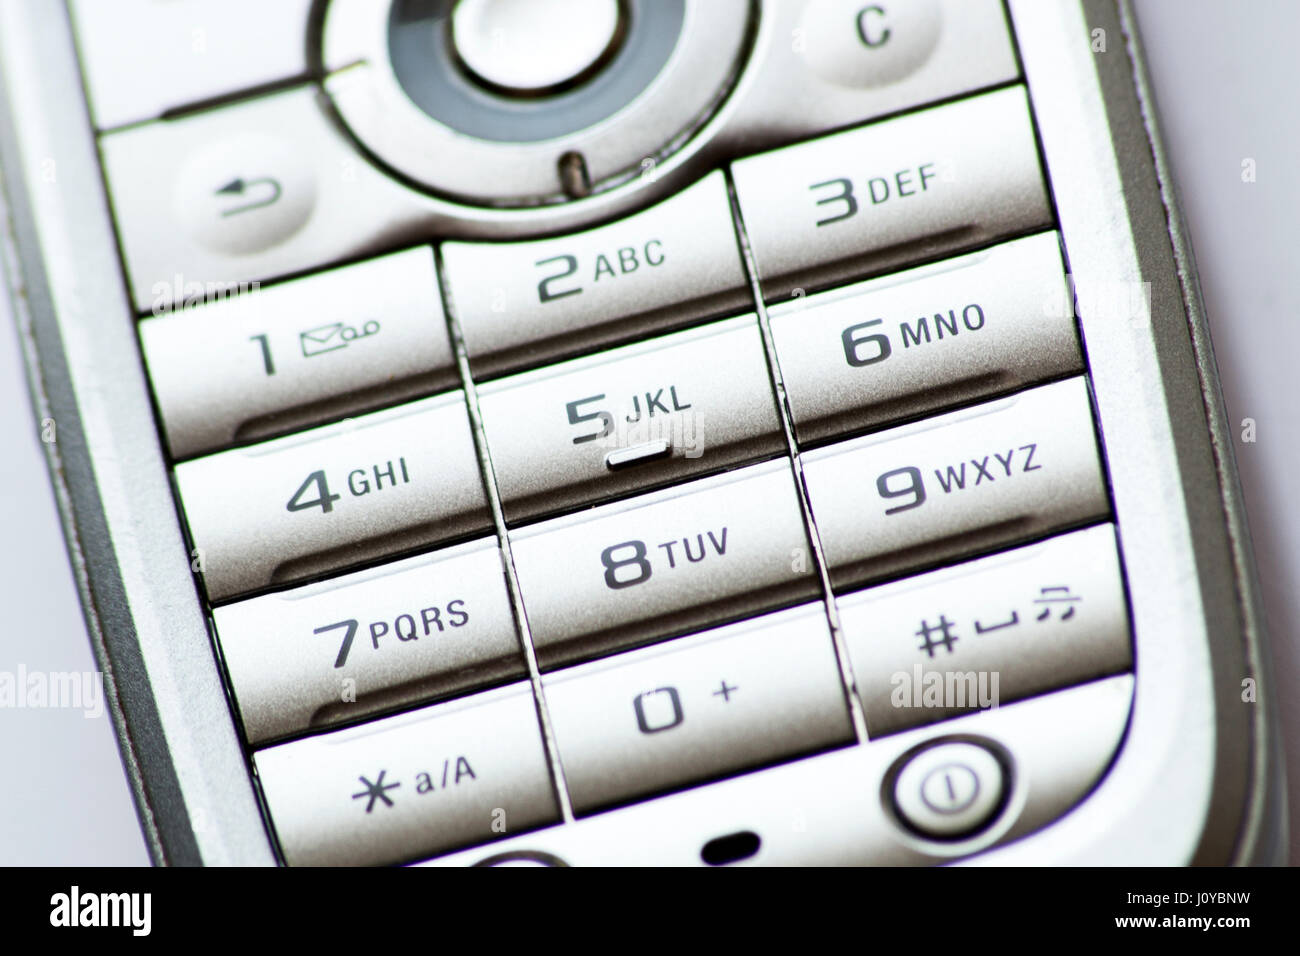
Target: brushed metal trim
174	723
1263	837
1185	787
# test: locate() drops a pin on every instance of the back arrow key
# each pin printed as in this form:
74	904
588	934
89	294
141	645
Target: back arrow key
262	191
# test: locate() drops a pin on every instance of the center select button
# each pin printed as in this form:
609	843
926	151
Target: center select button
533	47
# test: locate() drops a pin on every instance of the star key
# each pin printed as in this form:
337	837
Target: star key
376	791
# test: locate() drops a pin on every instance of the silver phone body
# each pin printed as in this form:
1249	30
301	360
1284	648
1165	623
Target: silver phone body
1196	779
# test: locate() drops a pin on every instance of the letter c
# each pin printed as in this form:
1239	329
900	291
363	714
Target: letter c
864	32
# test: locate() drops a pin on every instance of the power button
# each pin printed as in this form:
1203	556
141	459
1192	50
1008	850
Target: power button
950	791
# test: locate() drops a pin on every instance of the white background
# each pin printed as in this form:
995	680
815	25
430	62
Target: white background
1226	80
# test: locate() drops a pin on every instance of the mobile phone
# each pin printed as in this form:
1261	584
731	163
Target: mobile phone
615	431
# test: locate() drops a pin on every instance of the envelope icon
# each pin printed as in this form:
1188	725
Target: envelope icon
323	338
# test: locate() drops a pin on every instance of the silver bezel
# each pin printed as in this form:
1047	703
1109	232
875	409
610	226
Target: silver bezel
183	758
1197	779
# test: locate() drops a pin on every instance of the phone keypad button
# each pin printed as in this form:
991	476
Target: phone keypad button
523	303
862	45
346	648
701	707
958	483
272	360
143	58
405	787
182	224
950	790
666	563
232	212
632	418
873	199
865	355
822	65
334	496
988	632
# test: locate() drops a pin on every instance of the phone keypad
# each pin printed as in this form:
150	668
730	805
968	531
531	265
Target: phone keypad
669	488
